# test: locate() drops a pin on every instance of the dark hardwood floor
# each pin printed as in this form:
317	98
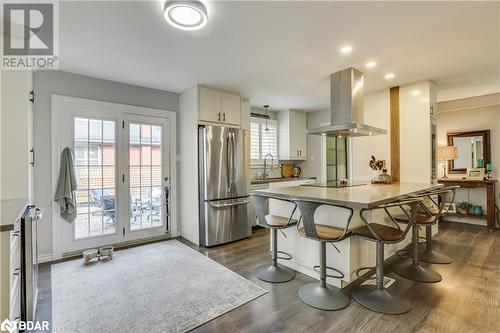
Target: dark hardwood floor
467	300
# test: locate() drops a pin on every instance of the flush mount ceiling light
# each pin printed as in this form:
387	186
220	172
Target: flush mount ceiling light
389	76
371	64
346	49
185	14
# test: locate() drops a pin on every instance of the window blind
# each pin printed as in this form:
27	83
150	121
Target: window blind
263	140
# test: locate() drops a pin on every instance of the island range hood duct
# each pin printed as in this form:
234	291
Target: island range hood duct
346	109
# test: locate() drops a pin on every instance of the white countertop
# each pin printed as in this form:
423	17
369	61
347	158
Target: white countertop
11	210
365	196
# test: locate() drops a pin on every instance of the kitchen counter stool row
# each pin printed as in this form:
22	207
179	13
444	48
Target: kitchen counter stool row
418	210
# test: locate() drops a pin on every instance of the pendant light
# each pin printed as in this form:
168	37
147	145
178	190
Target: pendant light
267	117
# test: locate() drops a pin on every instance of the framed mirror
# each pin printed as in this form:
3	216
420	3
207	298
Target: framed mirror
473	149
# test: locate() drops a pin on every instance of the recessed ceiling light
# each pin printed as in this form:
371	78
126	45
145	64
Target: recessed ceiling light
415	92
186	14
389	76
346	49
371	64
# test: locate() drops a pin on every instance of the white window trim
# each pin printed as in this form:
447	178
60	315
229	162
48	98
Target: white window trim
262	121
59	119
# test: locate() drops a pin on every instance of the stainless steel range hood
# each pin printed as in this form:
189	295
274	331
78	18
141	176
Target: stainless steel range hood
346	109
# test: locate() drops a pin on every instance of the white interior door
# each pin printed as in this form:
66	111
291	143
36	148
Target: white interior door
124	164
146	178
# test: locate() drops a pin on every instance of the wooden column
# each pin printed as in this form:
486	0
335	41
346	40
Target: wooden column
395	157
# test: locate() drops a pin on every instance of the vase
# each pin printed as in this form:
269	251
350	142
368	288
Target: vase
477	210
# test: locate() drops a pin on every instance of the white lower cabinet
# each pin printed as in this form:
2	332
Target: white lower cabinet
10	263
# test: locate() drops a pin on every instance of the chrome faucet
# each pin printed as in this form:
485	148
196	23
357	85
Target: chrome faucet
265	163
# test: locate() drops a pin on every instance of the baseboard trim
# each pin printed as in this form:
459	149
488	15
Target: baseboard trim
45	258
117	246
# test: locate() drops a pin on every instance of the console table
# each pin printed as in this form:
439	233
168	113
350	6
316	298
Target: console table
489	185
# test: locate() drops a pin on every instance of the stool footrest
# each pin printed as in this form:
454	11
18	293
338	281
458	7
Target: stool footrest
285	255
339	276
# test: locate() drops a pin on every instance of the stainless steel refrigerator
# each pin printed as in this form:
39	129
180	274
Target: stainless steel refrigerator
223	185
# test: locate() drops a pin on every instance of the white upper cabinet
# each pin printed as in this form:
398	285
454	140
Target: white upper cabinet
16	135
219	107
292	135
209	105
231	108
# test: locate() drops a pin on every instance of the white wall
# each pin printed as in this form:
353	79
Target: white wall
377	113
415	132
47	83
468	120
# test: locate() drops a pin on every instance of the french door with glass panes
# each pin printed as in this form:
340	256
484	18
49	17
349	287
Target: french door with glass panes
122	165
146	178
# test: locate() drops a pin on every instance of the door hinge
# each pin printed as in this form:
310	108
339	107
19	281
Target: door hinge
32	96
123	178
123	231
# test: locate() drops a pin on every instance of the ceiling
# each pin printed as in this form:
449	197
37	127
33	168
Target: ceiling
281	53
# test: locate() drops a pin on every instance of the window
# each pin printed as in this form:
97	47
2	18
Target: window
263	140
94	143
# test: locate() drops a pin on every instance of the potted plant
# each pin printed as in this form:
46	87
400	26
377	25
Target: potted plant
463	207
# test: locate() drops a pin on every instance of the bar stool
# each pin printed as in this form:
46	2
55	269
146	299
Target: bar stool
274	273
322	296
428	254
376	297
410	268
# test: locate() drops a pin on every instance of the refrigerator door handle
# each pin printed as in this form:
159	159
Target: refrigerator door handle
216	205
230	161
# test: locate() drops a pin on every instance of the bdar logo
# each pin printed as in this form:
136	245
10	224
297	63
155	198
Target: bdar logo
8	326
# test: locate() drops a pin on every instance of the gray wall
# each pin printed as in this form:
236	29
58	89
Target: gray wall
47	83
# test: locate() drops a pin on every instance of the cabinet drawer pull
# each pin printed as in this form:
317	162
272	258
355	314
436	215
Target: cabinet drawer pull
16	272
15	233
224	116
218	116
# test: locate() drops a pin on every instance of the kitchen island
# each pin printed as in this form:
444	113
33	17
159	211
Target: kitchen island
354	252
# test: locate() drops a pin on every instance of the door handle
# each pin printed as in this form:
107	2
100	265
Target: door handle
32	151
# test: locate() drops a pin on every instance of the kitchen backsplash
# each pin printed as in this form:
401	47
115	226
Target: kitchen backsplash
258	172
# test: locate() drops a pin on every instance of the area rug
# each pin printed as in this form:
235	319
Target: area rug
162	287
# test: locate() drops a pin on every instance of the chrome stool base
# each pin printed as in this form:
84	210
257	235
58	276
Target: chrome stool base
413	271
324	298
433	257
274	274
380	300
425	255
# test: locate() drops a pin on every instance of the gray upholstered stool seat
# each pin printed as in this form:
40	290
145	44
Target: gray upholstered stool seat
274	272
320	295
376	297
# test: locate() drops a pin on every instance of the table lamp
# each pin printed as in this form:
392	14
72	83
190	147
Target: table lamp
446	153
